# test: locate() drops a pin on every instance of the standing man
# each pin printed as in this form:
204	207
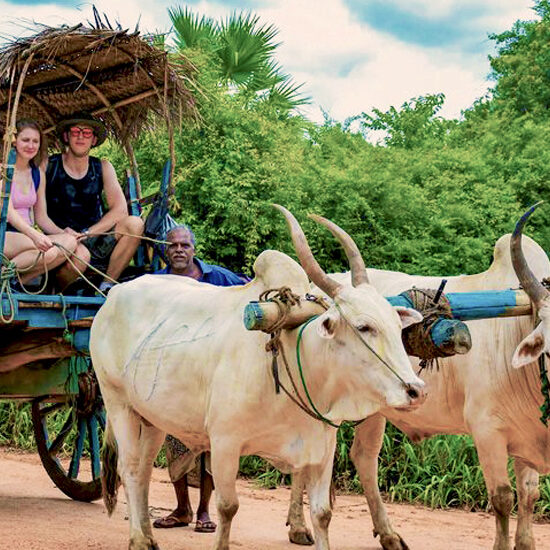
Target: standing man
182	261
75	183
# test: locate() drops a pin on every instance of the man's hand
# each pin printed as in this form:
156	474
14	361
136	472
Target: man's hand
72	232
83	235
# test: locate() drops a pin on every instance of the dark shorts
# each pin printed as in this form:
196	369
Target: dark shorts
100	248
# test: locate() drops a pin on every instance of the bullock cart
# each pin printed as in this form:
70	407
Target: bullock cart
121	78
125	81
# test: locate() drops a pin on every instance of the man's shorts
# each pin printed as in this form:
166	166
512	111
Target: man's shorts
101	248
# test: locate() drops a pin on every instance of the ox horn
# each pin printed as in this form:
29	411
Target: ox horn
527	279
309	263
358	270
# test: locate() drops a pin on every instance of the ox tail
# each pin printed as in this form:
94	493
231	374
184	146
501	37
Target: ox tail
110	479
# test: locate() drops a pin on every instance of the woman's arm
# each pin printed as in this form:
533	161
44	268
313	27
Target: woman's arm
41	241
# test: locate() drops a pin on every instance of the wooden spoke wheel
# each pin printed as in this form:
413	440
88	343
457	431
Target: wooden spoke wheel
68	435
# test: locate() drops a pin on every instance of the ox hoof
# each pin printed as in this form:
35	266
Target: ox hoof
301	536
143	544
525	544
393	542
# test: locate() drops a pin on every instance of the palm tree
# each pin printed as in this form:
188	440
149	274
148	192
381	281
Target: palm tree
241	51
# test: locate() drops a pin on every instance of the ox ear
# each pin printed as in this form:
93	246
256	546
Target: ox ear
530	348
327	327
408	316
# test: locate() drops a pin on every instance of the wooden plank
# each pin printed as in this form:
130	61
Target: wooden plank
35	380
21	348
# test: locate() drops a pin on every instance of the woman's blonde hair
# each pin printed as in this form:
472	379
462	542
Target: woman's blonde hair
42	153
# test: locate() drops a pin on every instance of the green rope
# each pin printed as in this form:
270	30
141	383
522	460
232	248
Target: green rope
301	371
545	389
370	348
67	335
7	272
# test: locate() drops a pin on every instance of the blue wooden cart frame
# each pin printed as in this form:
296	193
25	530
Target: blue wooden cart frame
123	79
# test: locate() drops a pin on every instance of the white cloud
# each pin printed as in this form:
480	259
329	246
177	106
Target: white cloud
492	10
15	17
347	66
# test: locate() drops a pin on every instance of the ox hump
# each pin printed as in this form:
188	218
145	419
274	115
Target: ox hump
275	269
534	254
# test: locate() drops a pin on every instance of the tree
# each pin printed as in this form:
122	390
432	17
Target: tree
410	126
522	66
240	52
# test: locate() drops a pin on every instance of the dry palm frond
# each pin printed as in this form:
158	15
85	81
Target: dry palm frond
116	74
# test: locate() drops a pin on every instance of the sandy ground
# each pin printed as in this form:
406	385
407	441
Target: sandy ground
34	515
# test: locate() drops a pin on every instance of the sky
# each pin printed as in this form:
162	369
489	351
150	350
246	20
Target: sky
351	55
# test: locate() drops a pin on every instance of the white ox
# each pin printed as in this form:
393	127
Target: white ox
479	393
172	355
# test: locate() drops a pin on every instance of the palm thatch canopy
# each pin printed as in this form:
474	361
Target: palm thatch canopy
115	74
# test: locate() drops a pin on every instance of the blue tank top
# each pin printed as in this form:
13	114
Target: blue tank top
74	203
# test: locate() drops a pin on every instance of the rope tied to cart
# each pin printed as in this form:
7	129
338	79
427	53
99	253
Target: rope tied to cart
10	272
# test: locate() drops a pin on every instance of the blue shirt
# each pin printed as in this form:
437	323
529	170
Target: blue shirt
213	274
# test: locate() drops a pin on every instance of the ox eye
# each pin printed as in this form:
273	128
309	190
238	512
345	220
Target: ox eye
365	329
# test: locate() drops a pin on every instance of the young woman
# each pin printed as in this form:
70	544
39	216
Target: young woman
27	206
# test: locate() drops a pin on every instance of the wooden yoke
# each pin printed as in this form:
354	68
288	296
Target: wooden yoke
450	336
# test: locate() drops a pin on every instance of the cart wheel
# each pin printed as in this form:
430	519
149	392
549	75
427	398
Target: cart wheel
68	438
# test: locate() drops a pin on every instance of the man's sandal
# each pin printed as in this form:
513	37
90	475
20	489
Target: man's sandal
169	521
205	526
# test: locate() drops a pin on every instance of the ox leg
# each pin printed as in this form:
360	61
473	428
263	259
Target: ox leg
320	506
493	457
137	447
364	453
298	532
527	483
225	466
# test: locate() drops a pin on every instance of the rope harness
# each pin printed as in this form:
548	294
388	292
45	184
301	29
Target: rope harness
9	271
433	305
285	299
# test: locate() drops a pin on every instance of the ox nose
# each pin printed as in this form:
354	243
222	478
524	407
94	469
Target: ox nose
416	393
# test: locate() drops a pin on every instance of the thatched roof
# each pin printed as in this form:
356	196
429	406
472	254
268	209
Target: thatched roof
113	73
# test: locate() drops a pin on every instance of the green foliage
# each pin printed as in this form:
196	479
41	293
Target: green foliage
239	52
16	425
191	31
522	67
410	126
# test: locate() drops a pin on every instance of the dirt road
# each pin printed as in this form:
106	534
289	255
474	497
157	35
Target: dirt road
34	515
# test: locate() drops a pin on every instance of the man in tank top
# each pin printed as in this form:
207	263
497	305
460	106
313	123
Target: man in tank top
75	184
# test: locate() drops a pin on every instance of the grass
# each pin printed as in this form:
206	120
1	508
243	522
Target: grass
441	472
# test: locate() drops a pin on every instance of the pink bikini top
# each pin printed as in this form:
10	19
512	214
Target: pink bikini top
24	202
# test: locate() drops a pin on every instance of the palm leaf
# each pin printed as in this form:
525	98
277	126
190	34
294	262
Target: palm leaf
245	47
190	30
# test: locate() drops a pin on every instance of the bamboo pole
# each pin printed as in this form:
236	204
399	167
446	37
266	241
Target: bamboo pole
9	155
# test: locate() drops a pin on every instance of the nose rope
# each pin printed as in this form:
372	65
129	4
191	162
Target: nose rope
274	345
369	347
